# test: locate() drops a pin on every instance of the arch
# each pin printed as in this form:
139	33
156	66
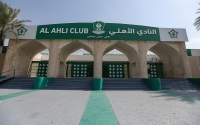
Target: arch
152	57
172	67
130	53
23	56
72	47
66	51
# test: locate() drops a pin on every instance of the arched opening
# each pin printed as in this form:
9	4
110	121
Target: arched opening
23	57
154	65
121	62
76	60
39	65
171	60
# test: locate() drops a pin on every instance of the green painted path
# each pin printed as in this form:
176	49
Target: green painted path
12	95
98	111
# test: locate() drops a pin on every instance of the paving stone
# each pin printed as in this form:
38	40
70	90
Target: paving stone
45	107
152	108
9	91
66	107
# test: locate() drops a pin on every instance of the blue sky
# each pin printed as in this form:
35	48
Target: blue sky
157	13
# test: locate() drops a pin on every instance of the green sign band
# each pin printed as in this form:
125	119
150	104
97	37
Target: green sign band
97	30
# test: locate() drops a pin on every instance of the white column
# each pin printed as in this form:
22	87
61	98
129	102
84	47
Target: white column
54	61
98	59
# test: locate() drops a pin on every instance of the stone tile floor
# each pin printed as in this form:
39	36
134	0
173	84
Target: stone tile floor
66	107
153	108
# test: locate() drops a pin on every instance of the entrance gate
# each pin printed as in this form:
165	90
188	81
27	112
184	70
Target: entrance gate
115	70
85	69
155	70
79	69
38	69
110	69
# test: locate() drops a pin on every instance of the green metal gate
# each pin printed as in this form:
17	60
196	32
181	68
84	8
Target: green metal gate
85	69
39	69
79	69
115	70
155	70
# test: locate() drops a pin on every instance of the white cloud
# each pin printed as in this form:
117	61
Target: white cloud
193	43
195	39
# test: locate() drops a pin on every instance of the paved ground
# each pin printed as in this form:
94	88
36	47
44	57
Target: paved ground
45	107
64	107
8	91
189	93
153	108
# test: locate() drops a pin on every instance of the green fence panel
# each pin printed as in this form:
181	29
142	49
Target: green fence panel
41	82
153	83
97	83
194	80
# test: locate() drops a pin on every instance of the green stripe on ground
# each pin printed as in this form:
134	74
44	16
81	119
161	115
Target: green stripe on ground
98	111
12	95
182	97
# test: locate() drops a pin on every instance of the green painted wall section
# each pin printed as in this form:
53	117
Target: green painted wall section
4	50
98	111
2	77
97	84
41	82
194	80
153	83
189	53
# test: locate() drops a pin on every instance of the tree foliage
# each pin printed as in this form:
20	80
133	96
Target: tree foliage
8	21
197	21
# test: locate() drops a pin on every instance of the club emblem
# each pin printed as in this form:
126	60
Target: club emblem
21	31
98	27
173	34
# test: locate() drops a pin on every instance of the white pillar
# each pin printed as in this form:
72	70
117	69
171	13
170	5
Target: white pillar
141	63
54	61
98	59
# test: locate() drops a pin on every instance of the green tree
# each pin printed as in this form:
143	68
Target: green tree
8	21
197	21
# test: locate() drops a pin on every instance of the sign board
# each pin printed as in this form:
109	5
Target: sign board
99	31
173	34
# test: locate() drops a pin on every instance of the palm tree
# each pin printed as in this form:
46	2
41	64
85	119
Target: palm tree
8	21
197	22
